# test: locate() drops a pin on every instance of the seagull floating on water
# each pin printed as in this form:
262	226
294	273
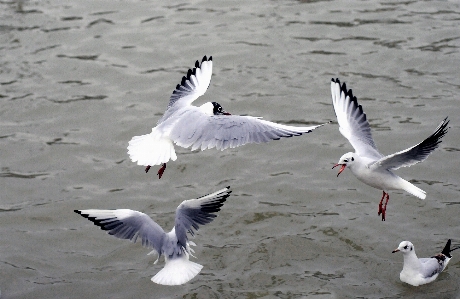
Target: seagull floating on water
175	246
203	127
418	271
367	163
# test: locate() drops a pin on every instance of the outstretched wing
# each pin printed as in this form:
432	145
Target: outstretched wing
194	212
127	224
193	85
352	120
199	130
415	154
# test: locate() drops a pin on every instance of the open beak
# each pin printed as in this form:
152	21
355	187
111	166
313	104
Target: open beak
341	168
396	250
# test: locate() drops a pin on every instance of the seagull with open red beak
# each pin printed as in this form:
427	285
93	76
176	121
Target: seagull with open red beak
367	163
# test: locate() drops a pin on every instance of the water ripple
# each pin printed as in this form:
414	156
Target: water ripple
80	57
81	98
6	173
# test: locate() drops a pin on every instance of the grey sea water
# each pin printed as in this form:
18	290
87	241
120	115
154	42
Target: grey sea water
78	79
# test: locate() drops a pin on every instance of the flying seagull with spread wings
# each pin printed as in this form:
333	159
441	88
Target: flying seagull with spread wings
367	163
204	127
175	245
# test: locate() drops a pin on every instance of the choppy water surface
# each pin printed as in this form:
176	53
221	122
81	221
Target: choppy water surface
80	78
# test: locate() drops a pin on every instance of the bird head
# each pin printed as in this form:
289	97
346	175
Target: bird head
346	160
404	247
218	110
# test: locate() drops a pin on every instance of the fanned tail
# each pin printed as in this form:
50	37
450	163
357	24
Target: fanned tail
151	149
177	271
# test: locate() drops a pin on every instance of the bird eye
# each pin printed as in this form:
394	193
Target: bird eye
405	247
346	160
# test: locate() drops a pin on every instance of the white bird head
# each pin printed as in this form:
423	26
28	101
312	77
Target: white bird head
346	160
404	247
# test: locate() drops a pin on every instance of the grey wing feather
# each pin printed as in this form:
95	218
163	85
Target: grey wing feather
430	267
352	120
196	129
415	154
127	224
190	214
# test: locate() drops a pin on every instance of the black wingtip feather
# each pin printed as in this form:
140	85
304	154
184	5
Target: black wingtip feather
432	142
353	99
446	251
104	224
343	88
206	58
177	92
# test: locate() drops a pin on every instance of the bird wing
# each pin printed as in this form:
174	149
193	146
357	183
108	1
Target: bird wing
431	267
127	224
352	121
193	85
199	130
415	154
194	212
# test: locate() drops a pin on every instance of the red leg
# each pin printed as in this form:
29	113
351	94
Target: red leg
385	206
147	168
161	170
381	203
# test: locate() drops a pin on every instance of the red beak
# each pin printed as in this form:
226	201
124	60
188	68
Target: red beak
226	113
341	169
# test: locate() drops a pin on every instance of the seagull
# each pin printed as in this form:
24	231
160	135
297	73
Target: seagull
203	127
367	163
175	246
424	270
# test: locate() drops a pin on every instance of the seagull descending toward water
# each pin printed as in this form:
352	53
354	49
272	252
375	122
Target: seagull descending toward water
201	127
367	163
424	270
175	246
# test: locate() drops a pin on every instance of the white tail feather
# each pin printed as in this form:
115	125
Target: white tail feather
177	271
151	149
415	191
